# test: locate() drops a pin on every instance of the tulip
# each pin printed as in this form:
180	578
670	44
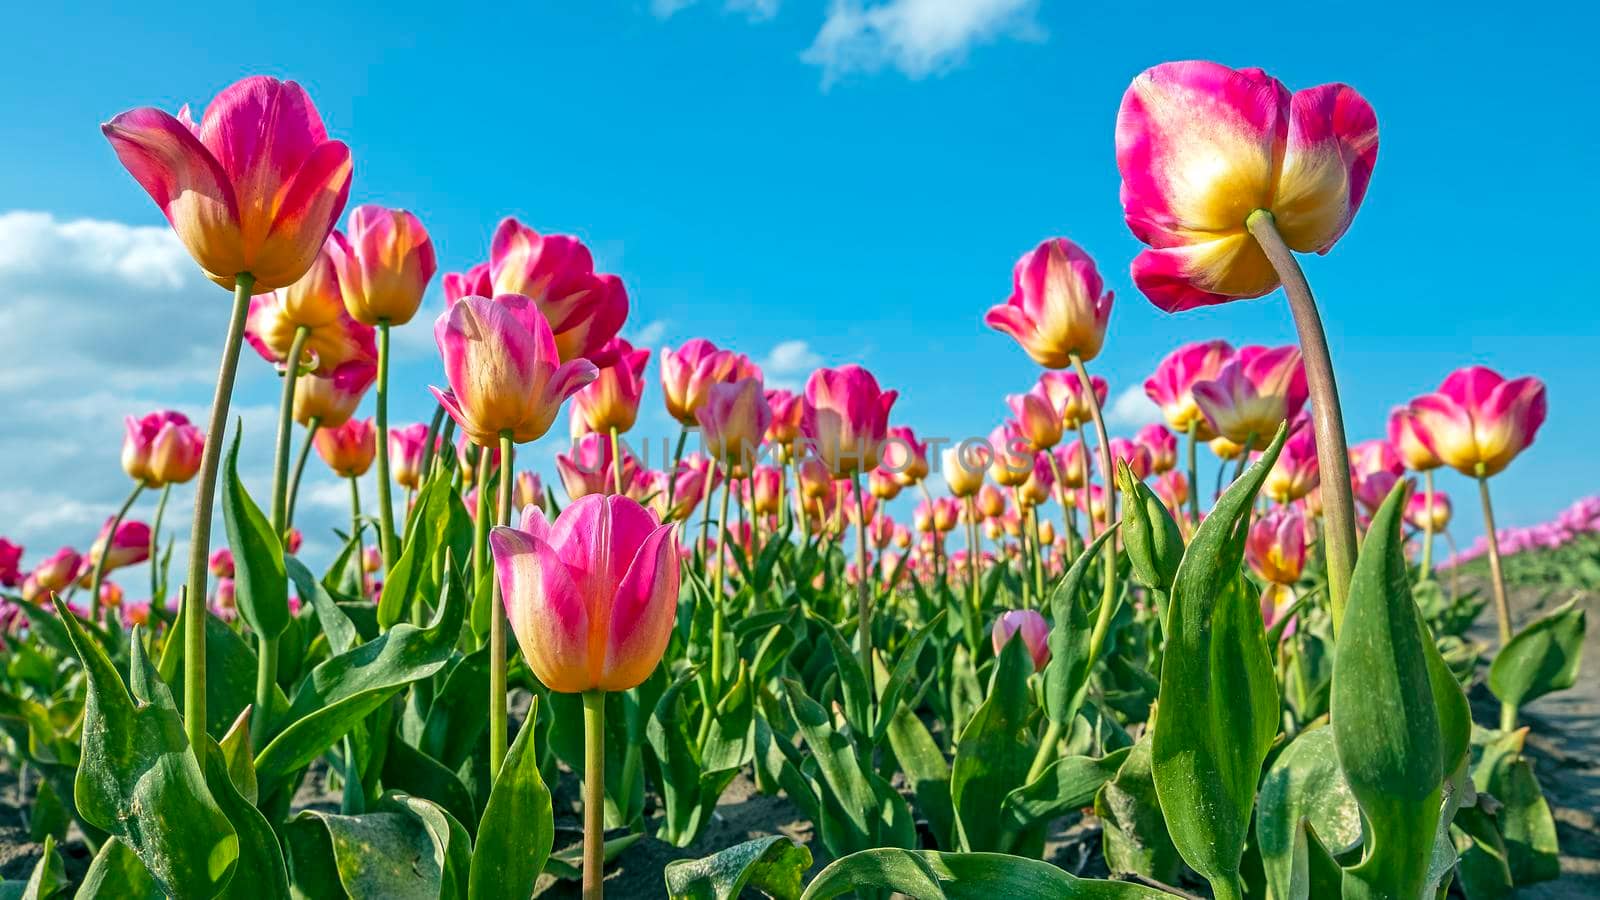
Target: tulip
10	563
733	421
1258	390
129	544
221	563
475	282
1058	307
1296	472
331	401
384	265
1200	147
254	188
311	312
349	449
57	571
1478	421
883	484
405	453
31	591
1092	500
1072	463
990	502
1405	437
788	408
1035	633
225	602
1226	450
110	595
859	508
766	490
1160	444
963	467
610	404
846	418
905	456
1131	453
505	376
555	271
528	490
1172	385
1035	418
1431	517
815	481
1065	393
688	373
1375	467
1173	489
588	468
162	448
1276	546
136	614
1036	489
1013	458
469	454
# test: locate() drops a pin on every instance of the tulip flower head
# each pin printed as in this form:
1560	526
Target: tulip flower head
1161	444
688	373
582	310
1172	385
1419	512
128	545
905	456
1072	460
991	502
1066	394
612	399
591	597
384	264
528	490
110	594
1040	482
766	490
587	468
161	448
883	484
221	562
846	418
332	400
1276	545
1478	421
1035	418
1058	307
1012	460
405	453
475	282
314	303
963	467
10	563
348	449
1173	489
1133	454
57	571
1033	628
733	421
504	372
1408	443
1258	390
1296	472
1201	147
788	408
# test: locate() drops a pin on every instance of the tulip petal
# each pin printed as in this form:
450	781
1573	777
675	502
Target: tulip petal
311	203
1331	150
546	612
1203	274
642	614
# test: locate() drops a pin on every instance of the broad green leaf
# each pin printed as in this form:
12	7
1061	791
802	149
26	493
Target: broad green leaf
260	582
773	865
1305	812
238	758
48	878
341	691
1219	695
139	781
905	669
1524	818
1543	657
1385	719
838	764
1134	836
452	846
1483	869
517	828
1067	784
116	873
852	681
1066	677
932	875
260	871
407	769
924	766
994	751
341	632
438	522
388	854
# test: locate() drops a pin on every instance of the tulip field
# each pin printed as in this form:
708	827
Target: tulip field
1075	671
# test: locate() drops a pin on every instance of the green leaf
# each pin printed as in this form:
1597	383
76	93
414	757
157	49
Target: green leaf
260	871
238	759
518	828
341	632
905	669
1305	813
1543	657
932	875
924	766
852	681
773	865
1067	784
1134	836
48	878
1524	819
139	781
230	671
452	847
341	691
117	874
439	516
407	769
994	751
389	854
1066	677
566	865
1385	720
261	585
849	792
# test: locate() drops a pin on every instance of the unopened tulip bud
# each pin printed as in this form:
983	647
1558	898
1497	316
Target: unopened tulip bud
221	562
846	418
883	484
349	449
1058	307
1151	535
963	467
733	421
161	448
1419	511
128	545
1033	628
1035	418
384	265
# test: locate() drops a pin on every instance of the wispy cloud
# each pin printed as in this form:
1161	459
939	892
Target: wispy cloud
917	37
1132	409
753	10
646	334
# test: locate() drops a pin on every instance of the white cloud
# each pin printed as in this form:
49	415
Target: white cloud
791	358
752	10
1132	409
917	37
647	334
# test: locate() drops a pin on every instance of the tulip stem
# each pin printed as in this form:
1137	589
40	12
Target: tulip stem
425	465
1427	525
497	633
972	565
1194	471
1244	457
299	470
864	591
386	537
1088	495
105	552
355	527
194	623
616	461
783	492
280	454
1046	753
1497	577
594	793
156	601
672	474
717	620
1333	457
1108	594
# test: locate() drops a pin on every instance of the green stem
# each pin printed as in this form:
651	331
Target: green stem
156	598
105	551
386	536
1108	594
299	470
864	593
594	793
1244	456
973	589
280	454
194	623
425	466
1194	473
783	493
1333	457
1038	555
1027	548
672	473
355	525
1046	753
497	623
266	677
1502	607
717	622
1088	481
480	523
1427	525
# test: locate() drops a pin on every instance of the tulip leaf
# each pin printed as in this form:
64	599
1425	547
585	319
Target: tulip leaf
1543	657
440	523
774	865
230	671
260	871
1067	784
1134	836
518	828
341	691
924	766
932	875
46	880
260	583
1524	820
1386	722
567	864
852	681
407	769
116	873
1066	677
391	854
994	751
849	792
340	631
1219	698
905	669
1305	814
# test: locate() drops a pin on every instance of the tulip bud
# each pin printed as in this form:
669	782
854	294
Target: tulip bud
582	310
384	265
883	484
1035	418
221	562
788	408
963	467
405	453
528	490
10	563
332	400
129	545
846	418
1058	307
1419	511
733	420
110	595
1033	628
1150	534
1013	460
349	449
612	399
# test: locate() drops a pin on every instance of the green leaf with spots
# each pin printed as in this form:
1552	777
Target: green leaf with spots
518	826
773	865
932	875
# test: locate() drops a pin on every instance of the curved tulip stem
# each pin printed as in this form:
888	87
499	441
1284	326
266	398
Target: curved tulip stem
1338	502
616	460
1427	525
497	625
783	492
155	546
105	551
280	455
594	793
1497	576
864	592
971	506
299	470
717	620
386	537
425	465
194	617
1088	496
355	524
672	473
1194	471
1108	594
1038	554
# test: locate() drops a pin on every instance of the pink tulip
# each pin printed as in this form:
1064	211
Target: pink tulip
505	376
1036	418
1478	421
587	468
612	399
161	448
314	303
1072	459
475	282
788	408
221	562
468	454
555	271
1276	545
1173	489
1091	499
255	187
135	613
1296	472
384	264
292	540
1133	453
1160	444
1408	443
371	559
1065	393
10	563
1201	146
111	594
1418	512
881	532
766	490
733	421
814	480
225	601
332	400
406	447
1058	307
846	418
591	598
129	545
990	502
349	449
1035	633
1375	468
1258	390
688	373
1172	385
883	485
528	490
1041	481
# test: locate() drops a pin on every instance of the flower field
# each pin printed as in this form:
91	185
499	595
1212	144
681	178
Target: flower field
1075	670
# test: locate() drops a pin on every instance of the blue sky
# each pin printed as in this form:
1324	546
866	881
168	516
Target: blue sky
856	177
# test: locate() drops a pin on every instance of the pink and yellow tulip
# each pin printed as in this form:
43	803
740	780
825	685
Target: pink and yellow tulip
583	310
161	448
384	265
846	418
611	401
1276	545
1065	393
1035	633
1478	421
349	448
1258	390
733	421
1058	307
1160	444
1172	385
333	399
688	373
